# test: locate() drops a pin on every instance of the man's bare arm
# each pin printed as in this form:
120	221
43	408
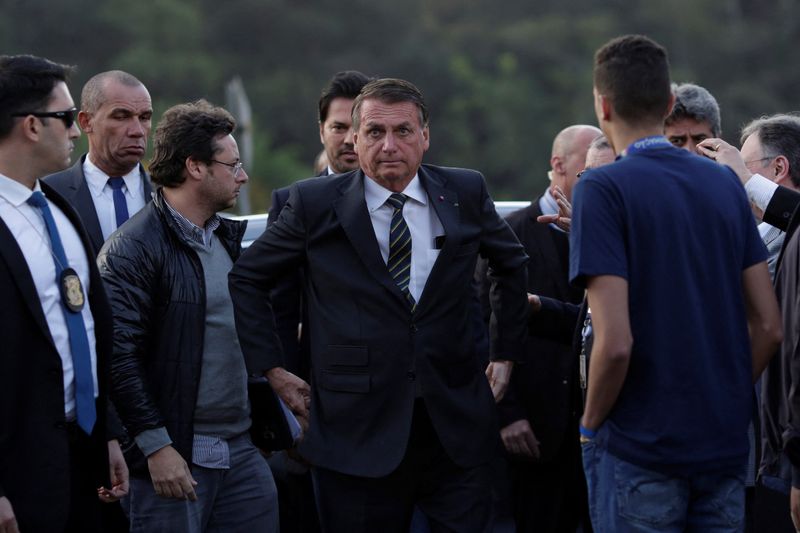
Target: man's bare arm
611	351
763	316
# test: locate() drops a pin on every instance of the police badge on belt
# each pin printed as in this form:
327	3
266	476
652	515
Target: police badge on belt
71	290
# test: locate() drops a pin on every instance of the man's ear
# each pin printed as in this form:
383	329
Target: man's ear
780	169
195	169
85	121
557	164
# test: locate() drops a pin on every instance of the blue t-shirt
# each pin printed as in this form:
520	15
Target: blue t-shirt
678	228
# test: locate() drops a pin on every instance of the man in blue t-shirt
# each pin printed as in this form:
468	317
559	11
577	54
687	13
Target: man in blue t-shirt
674	287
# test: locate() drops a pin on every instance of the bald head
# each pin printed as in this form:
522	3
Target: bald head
569	155
93	94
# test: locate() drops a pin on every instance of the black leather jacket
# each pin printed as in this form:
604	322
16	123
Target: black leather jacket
156	287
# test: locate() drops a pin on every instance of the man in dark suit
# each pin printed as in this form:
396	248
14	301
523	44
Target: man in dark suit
336	135
108	185
54	321
400	409
539	414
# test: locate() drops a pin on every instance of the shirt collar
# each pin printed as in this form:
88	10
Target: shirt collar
191	231
14	192
376	194
98	180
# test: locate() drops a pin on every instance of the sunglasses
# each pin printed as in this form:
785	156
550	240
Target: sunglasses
68	116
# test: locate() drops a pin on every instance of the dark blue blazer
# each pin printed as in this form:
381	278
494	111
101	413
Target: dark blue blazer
367	348
34	443
71	184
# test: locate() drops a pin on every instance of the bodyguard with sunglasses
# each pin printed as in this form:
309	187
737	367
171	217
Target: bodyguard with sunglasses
108	185
54	320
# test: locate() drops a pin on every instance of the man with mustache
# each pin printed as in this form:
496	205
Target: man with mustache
108	185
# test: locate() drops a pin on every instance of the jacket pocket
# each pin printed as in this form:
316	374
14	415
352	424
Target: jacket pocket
345	381
339	355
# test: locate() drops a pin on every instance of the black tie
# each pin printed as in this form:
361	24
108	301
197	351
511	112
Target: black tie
399	262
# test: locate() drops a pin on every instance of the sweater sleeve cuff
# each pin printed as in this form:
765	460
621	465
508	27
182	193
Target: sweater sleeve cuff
152	440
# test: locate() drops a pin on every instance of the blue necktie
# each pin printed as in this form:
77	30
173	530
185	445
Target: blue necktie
120	205
399	262
78	341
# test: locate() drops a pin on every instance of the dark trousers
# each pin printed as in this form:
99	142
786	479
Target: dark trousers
771	510
452	498
84	507
551	497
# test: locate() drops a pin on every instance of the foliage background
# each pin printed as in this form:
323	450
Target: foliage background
501	77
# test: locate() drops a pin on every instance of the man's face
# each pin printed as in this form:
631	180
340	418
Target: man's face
687	133
119	128
390	142
336	135
753	157
575	157
53	152
222	183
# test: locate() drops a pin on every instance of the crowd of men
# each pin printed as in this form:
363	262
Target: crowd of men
592	362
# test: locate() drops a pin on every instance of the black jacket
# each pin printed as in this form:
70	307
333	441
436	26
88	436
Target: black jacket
156	287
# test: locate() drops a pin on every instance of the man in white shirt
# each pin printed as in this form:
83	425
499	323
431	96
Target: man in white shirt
54	321
108	185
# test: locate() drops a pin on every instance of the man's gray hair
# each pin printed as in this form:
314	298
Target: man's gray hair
93	94
779	135
695	102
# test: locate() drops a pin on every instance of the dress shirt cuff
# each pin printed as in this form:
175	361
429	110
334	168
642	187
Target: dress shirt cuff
760	190
152	440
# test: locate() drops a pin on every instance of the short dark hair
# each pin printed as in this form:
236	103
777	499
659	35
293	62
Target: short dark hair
696	103
93	94
187	130
26	84
390	91
344	84
779	135
632	71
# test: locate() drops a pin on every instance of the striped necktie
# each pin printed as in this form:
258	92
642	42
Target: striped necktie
399	262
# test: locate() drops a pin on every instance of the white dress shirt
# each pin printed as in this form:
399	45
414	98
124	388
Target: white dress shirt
27	225
422	221
103	194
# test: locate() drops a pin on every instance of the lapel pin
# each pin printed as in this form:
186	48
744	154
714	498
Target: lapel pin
441	198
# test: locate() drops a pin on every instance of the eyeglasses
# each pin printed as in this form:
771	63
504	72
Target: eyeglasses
760	160
68	116
580	173
237	167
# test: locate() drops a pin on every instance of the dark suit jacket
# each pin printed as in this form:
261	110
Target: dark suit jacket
543	389
34	447
367	349
71	184
287	302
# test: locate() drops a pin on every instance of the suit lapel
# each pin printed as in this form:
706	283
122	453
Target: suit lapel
81	199
12	256
445	202
146	184
548	251
351	210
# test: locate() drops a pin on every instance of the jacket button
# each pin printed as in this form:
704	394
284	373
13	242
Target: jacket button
411	375
413	328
